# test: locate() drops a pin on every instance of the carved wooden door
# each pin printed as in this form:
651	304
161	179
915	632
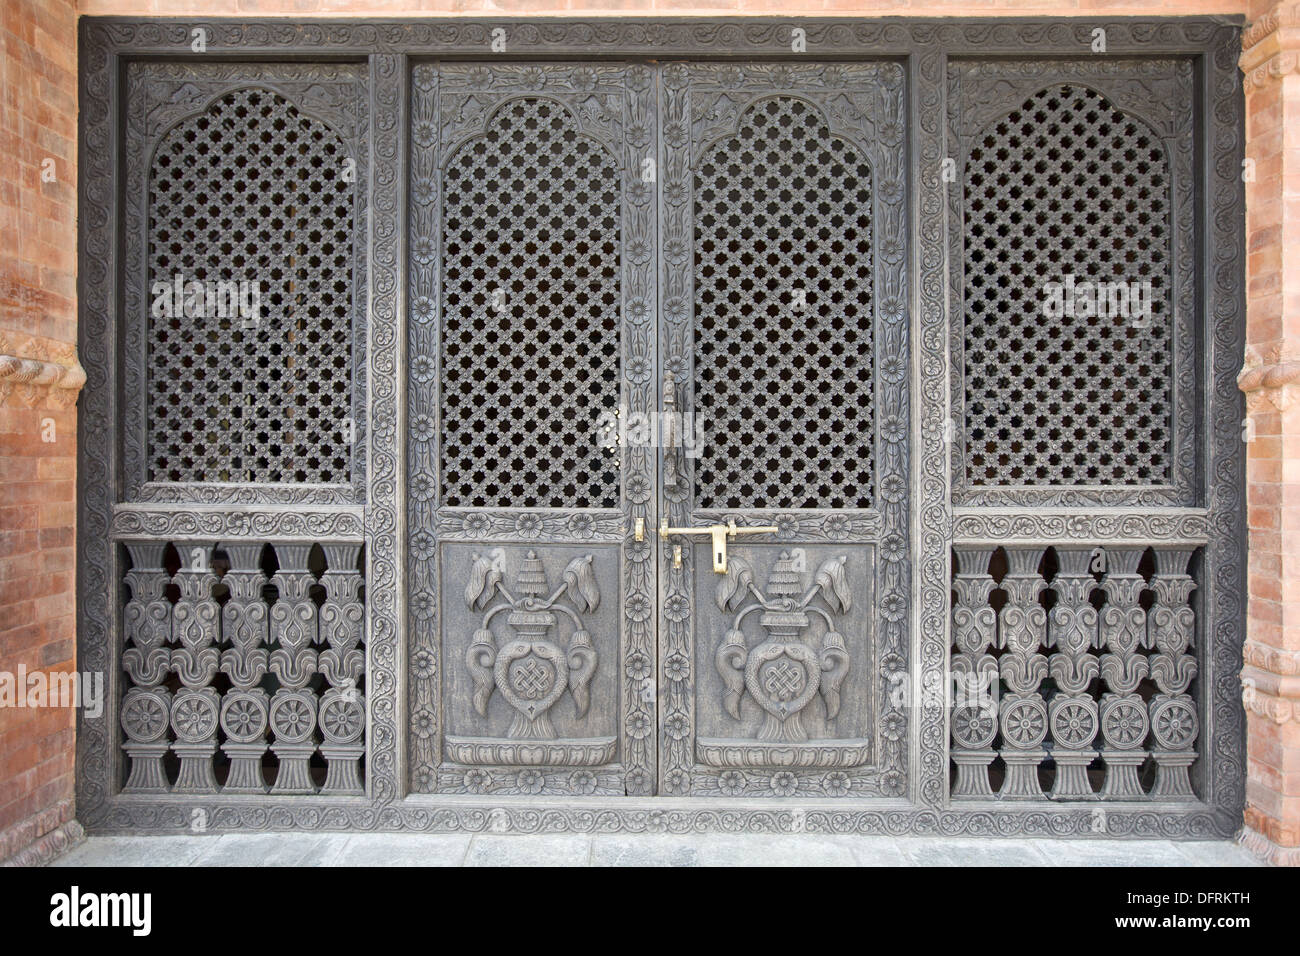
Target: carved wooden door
399	356
783	341
533	236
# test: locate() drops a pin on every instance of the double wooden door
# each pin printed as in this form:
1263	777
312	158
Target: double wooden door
659	424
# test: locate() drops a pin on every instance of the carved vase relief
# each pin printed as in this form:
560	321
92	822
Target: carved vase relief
532	648
785	653
531	671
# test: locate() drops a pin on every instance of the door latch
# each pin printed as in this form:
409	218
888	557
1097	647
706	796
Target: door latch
720	533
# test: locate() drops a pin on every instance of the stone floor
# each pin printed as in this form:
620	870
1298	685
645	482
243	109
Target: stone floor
366	849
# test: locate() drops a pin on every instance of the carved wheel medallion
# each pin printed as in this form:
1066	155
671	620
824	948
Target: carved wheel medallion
1124	723
243	716
194	717
973	727
1024	724
1175	723
144	716
1074	724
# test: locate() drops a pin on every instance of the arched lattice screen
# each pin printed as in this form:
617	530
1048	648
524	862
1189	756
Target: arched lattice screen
251	282
1068	342
531	306
783	301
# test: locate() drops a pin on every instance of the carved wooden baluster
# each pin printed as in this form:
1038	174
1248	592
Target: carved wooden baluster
342	712
293	661
1171	627
1072	714
196	623
245	707
1022	629
1124	722
974	674
146	706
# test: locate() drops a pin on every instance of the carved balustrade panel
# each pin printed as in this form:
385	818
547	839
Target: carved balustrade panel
1081	685
245	668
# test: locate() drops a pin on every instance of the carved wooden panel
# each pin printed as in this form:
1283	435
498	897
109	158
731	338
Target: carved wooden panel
1077	349
902	97
244	370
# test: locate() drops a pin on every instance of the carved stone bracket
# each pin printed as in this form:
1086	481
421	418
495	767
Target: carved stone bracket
1271	46
33	382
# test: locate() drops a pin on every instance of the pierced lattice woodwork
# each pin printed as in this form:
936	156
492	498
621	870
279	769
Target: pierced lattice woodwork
250	265
1068	326
783	344
531	304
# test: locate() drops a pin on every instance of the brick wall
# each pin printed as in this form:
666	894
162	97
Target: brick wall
39	377
1271	380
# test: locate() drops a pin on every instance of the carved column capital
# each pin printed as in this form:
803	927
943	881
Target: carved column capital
1270	683
1270	378
38	373
1271	46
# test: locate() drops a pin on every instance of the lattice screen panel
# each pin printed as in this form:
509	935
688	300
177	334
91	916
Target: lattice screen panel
1067	190
531	307
250	366
783	290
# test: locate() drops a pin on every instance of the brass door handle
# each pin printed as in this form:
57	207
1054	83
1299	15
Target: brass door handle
720	533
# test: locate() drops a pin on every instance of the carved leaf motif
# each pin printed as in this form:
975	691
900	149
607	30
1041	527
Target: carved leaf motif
581	581
735	583
582	665
730	663
834	584
483	580
835	663
480	658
